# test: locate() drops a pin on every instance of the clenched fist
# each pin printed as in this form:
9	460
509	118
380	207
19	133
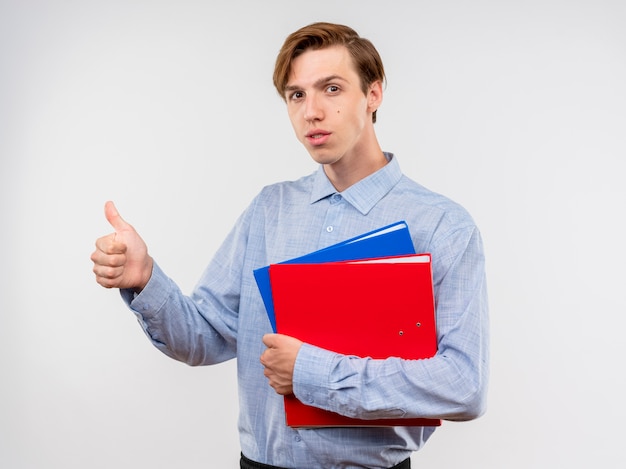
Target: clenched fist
279	359
121	258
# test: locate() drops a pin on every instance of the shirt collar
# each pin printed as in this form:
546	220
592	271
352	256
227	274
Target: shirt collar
366	193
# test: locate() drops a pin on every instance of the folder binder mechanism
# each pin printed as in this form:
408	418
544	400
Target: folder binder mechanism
369	296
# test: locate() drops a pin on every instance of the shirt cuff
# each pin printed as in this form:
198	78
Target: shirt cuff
148	303
311	376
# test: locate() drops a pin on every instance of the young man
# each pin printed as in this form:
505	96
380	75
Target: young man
332	82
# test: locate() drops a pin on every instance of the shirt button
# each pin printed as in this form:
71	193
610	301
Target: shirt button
297	438
329	229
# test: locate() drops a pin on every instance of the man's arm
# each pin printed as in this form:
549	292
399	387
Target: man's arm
451	385
186	329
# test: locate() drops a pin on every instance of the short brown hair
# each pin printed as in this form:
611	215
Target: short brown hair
315	36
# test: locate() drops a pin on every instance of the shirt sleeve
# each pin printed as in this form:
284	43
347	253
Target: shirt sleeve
451	385
200	329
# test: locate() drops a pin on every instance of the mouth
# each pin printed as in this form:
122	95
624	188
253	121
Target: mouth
317	137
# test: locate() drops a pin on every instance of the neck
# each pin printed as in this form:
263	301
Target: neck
359	163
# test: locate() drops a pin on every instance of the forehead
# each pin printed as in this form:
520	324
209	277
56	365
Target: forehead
314	64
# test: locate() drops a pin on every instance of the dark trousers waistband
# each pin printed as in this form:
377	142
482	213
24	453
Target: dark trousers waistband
246	463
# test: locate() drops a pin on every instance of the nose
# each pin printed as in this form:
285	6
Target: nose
312	108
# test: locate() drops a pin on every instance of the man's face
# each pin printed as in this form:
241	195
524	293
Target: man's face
327	107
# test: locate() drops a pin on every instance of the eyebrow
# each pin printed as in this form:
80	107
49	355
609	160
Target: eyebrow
318	83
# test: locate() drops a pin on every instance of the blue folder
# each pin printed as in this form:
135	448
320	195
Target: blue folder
390	240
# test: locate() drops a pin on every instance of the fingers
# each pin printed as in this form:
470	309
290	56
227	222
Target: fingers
108	260
269	360
278	360
109	253
108	277
269	340
280	384
109	244
108	270
114	217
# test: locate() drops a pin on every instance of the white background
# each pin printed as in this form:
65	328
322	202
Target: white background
514	109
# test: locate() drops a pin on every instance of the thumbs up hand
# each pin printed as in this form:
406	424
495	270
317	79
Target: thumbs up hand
121	258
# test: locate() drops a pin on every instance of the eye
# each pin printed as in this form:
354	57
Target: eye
296	95
333	89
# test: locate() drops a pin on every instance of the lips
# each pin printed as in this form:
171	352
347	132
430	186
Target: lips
317	137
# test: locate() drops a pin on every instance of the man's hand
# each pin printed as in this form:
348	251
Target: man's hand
121	258
279	360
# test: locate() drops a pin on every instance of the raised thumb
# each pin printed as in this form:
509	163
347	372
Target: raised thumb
114	217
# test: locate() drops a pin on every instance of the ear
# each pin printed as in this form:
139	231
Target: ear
374	96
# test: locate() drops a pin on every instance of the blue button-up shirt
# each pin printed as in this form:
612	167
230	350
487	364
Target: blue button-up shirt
225	318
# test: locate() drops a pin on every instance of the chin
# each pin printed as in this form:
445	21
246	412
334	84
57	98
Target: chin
326	161
323	157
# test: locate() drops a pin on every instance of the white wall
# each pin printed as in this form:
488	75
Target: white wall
514	109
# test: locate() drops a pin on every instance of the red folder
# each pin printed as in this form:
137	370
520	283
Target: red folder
376	308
